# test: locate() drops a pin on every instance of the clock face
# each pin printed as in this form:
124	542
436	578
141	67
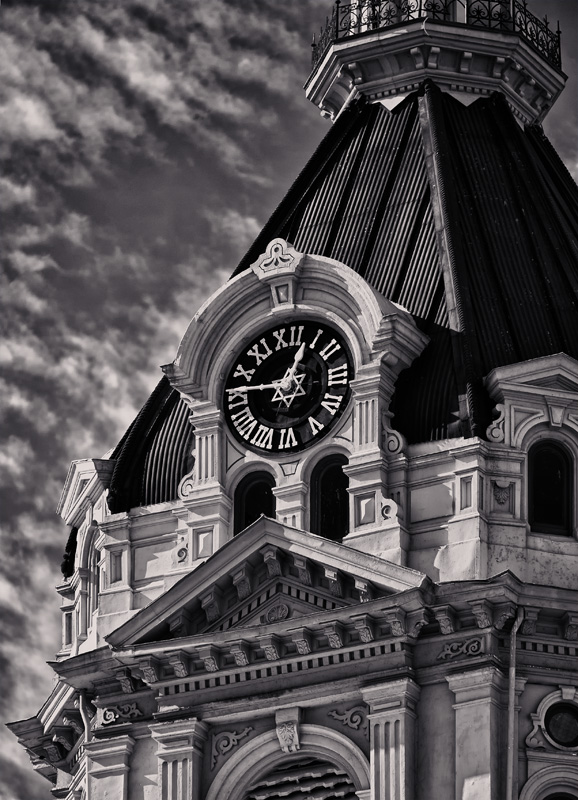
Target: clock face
288	388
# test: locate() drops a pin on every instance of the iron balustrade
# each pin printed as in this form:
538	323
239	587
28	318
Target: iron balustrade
512	16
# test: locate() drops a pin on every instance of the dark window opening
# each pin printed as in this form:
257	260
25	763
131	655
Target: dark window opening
550	488
253	497
330	498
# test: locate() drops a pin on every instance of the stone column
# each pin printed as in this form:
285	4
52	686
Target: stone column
480	733
180	754
108	767
392	738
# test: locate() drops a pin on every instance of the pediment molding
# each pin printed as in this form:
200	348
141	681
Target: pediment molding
85	482
266	551
315	287
541	391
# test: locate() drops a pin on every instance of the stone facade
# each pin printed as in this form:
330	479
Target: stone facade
429	653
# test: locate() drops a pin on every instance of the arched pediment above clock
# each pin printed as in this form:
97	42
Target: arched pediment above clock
282	285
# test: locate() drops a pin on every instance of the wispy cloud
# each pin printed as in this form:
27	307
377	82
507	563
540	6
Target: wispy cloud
143	145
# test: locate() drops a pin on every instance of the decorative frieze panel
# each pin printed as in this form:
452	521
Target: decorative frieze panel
224	742
355	718
125	712
474	646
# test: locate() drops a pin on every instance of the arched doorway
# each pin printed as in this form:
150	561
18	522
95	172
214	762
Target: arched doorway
302	777
253	497
330	498
322	750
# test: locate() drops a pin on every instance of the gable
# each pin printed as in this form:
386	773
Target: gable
267	566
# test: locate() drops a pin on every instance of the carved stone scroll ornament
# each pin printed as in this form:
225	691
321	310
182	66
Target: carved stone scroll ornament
393	442
288	735
303	641
224	742
112	714
355	718
534	739
272	559
469	647
180	663
496	431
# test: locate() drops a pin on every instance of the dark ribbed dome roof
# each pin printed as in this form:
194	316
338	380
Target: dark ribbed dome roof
154	454
452	211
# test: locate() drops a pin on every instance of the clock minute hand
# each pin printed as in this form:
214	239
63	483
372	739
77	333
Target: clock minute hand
258	386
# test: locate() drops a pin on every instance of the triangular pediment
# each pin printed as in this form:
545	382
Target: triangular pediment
269	573
553	375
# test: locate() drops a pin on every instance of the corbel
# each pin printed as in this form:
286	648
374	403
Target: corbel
335	635
482	611
530	619
446	617
335	581
395	617
303	640
179	661
287	721
570	621
272	558
124	677
271	646
242	580
209	655
151	669
240	652
179	624
211	603
502	614
365	590
303	567
364	625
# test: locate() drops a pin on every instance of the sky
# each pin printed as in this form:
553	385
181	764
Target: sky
144	143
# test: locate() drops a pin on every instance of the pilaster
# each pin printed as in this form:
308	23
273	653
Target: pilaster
478	714
392	738
180	755
108	767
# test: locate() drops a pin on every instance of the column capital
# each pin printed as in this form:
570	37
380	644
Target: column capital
109	756
477	684
392	696
178	738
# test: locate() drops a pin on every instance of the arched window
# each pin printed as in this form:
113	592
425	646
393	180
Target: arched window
253	497
550	488
330	499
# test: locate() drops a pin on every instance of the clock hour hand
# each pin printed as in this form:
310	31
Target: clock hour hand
287	379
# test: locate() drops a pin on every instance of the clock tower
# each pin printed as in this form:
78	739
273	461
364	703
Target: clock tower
335	554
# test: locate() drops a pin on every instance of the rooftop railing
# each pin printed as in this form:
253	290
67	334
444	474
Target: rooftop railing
511	16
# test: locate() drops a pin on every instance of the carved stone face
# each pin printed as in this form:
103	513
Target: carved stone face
288	388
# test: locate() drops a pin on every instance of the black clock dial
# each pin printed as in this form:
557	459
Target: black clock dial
288	388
